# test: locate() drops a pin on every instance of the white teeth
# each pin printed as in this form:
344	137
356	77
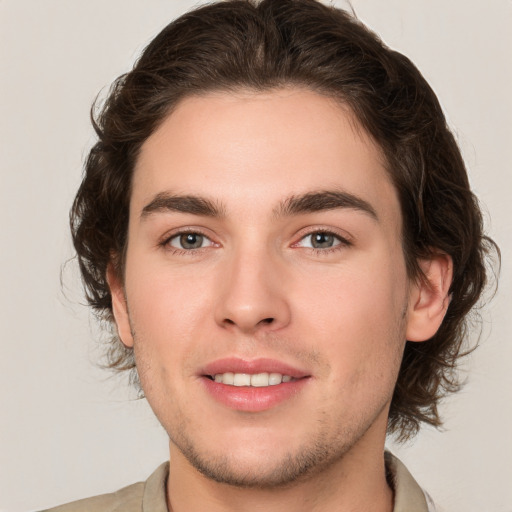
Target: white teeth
274	378
259	380
225	378
255	380
242	379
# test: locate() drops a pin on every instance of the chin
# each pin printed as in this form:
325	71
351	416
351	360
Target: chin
265	474
264	468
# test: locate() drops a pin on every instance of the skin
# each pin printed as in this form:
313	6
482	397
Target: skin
257	288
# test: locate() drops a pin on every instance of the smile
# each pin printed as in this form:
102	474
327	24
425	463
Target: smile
257	380
253	385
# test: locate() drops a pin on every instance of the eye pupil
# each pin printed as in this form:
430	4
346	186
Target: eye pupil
191	240
322	240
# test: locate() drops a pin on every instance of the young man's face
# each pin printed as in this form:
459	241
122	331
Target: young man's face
264	246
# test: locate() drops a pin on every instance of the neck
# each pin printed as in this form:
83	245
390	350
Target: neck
354	483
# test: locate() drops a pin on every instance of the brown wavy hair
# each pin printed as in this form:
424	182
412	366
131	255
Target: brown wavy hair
264	45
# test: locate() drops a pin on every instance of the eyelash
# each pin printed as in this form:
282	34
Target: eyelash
342	242
166	242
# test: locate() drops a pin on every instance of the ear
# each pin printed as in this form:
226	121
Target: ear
119	306
429	299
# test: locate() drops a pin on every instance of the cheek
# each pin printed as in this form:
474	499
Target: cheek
363	300
357	317
167	309
166	316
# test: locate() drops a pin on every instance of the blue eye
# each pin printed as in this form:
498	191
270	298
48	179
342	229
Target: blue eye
321	240
189	241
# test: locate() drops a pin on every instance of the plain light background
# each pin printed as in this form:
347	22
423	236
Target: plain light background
67	429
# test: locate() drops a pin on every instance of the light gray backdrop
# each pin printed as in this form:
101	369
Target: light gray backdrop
69	431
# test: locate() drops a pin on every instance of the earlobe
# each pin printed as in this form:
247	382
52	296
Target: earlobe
119	306
429	299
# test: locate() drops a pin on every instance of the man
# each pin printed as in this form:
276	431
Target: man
279	223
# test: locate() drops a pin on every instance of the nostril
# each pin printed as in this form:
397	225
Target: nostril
264	321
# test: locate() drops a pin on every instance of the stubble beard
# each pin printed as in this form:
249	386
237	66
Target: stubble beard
321	451
310	460
313	457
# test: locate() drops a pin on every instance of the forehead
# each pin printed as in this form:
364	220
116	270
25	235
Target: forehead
255	148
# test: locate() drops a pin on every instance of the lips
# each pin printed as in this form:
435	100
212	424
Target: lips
252	386
252	367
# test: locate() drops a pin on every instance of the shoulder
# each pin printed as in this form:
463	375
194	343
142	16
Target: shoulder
127	499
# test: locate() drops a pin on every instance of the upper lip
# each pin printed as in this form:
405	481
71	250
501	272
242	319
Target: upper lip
253	366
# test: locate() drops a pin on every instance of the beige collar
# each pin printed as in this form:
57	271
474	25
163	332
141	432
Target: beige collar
408	494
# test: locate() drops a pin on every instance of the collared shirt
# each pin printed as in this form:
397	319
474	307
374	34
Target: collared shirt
150	496
409	497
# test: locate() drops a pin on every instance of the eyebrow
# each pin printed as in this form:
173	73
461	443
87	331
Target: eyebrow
293	205
195	205
324	200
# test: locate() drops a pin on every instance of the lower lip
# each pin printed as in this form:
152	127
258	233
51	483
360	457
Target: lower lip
253	399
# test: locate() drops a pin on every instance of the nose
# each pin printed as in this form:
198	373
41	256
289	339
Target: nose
253	294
